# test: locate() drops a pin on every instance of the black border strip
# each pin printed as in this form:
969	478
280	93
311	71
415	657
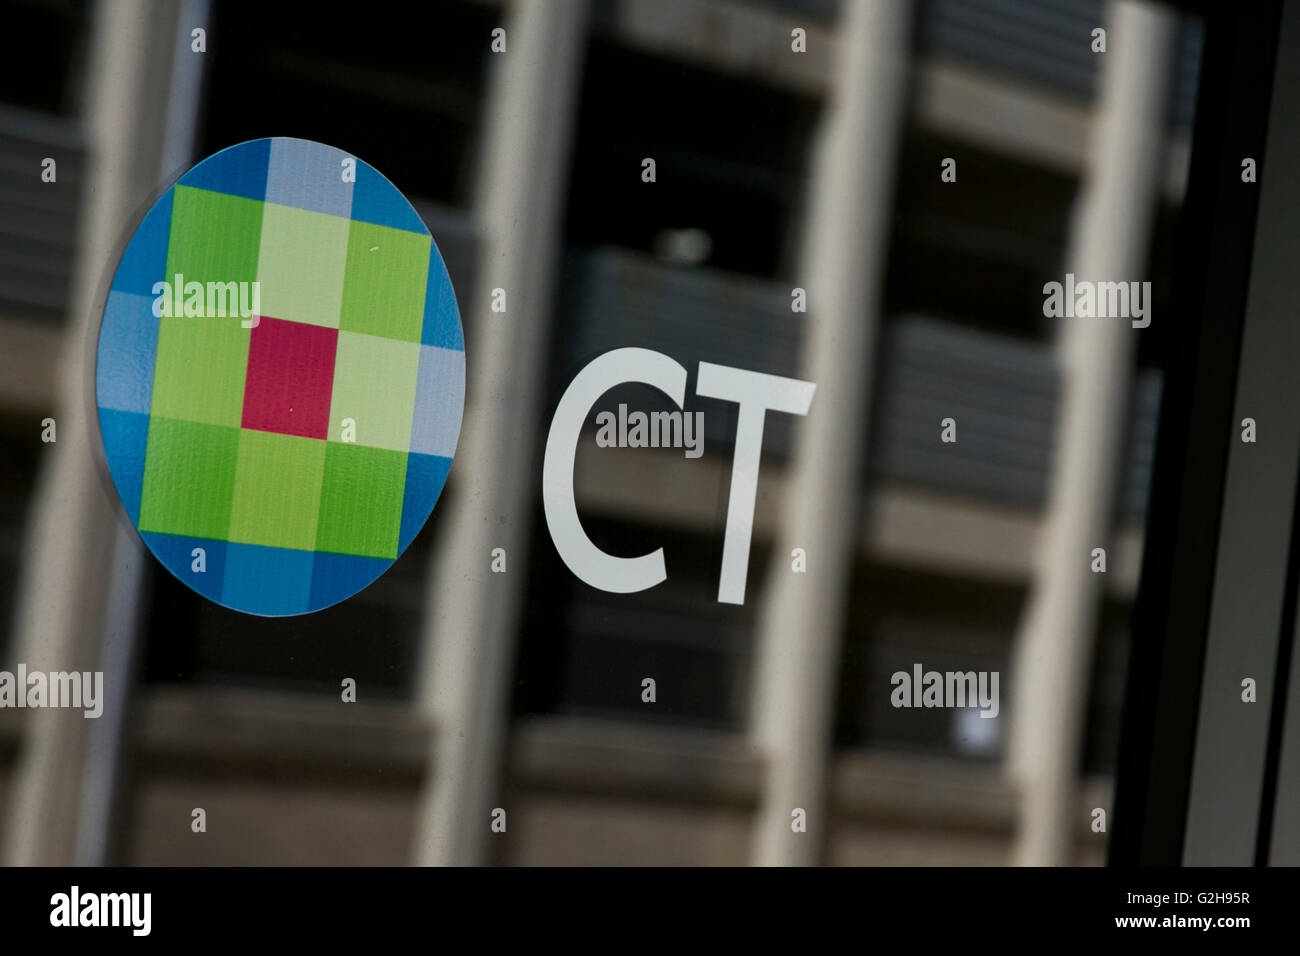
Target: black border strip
1171	613
1282	674
1281	691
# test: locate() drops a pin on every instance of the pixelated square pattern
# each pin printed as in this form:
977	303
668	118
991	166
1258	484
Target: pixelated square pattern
278	451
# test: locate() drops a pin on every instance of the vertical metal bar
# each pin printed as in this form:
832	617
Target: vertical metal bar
844	255
1112	234
120	638
473	615
101	772
71	541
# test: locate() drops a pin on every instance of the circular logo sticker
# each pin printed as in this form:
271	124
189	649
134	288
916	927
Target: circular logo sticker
280	376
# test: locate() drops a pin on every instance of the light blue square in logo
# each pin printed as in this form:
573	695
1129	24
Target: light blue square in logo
309	176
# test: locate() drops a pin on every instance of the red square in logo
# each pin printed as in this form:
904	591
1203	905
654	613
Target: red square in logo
290	378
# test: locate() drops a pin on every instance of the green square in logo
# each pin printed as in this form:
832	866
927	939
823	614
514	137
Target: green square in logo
214	237
383	292
361	500
189	478
199	370
277	490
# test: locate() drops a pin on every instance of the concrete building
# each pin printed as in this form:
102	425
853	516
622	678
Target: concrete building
775	170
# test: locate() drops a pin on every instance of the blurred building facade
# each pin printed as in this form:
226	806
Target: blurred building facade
523	690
